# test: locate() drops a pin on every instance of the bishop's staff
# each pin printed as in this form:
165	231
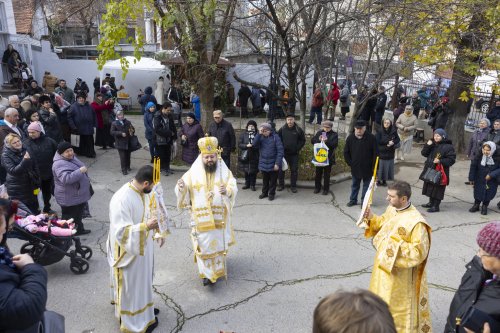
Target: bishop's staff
224	198
363	221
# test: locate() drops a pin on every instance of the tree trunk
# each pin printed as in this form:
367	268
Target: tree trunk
303	102
206	87
468	50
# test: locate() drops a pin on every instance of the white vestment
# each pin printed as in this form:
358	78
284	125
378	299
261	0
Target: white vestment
211	227
130	256
159	91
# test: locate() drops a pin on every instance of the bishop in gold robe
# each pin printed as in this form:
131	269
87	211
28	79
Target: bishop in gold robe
402	239
208	189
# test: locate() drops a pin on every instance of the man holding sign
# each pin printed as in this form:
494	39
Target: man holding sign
325	142
402	239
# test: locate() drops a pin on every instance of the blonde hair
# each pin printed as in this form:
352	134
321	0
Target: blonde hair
9	138
360	311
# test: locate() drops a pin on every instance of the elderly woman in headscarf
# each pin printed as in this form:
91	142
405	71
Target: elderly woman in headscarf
191	132
483	174
23	177
103	111
438	151
406	124
477	138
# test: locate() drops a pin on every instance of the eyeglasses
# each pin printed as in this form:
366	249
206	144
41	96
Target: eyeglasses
480	253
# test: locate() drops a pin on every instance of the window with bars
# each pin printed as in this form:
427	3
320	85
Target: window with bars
3	18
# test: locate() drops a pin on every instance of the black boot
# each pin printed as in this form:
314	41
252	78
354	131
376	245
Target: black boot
484	210
474	208
429	204
435	207
246	186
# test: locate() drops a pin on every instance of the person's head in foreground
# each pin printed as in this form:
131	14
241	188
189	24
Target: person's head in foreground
359	311
488	240
208	149
398	194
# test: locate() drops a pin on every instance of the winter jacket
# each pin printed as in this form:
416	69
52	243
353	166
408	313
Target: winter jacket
409	123
270	151
447	156
251	165
494	114
103	113
23	296
380	107
422	95
333	94
72	187
384	135
475	141
81	88
190	149
495	137
243	95
473	292
51	125
164	129
441	112
256	100
117	129
317	100
293	139
484	190
360	154
332	142
415	102
33	91
82	119
148	125
146	98
175	95
42	151
23	176
224	133
69	95
345	92
369	108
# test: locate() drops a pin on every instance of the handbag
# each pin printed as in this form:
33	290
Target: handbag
134	143
75	140
431	175
244	155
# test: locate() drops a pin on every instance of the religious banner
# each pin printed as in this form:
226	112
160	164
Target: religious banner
363	221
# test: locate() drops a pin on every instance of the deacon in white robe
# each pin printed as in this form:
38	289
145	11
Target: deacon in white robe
130	253
209	190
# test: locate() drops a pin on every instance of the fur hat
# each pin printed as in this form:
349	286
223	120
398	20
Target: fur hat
489	238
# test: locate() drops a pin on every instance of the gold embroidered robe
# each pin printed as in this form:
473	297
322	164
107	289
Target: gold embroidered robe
211	226
402	241
130	257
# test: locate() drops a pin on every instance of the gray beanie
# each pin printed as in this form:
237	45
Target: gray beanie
266	126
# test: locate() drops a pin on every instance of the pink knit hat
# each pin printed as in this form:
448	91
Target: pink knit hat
489	238
35	126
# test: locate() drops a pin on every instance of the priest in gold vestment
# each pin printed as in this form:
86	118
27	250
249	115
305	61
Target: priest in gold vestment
402	239
209	190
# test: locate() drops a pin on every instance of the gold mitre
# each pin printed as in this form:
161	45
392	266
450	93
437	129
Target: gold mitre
208	145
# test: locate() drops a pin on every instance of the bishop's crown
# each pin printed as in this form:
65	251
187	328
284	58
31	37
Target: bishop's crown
208	145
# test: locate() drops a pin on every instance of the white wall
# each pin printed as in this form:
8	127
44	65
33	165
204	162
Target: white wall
9	12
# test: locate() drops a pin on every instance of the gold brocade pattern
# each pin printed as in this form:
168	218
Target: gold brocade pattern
402	241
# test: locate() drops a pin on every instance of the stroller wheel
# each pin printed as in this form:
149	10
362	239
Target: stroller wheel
79	265
85	252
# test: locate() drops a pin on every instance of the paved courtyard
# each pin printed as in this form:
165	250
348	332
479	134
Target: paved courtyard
289	253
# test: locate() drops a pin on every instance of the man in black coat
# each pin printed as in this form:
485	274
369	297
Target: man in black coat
243	95
360	152
81	87
480	286
42	149
494	113
293	139
380	109
165	134
224	132
49	119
